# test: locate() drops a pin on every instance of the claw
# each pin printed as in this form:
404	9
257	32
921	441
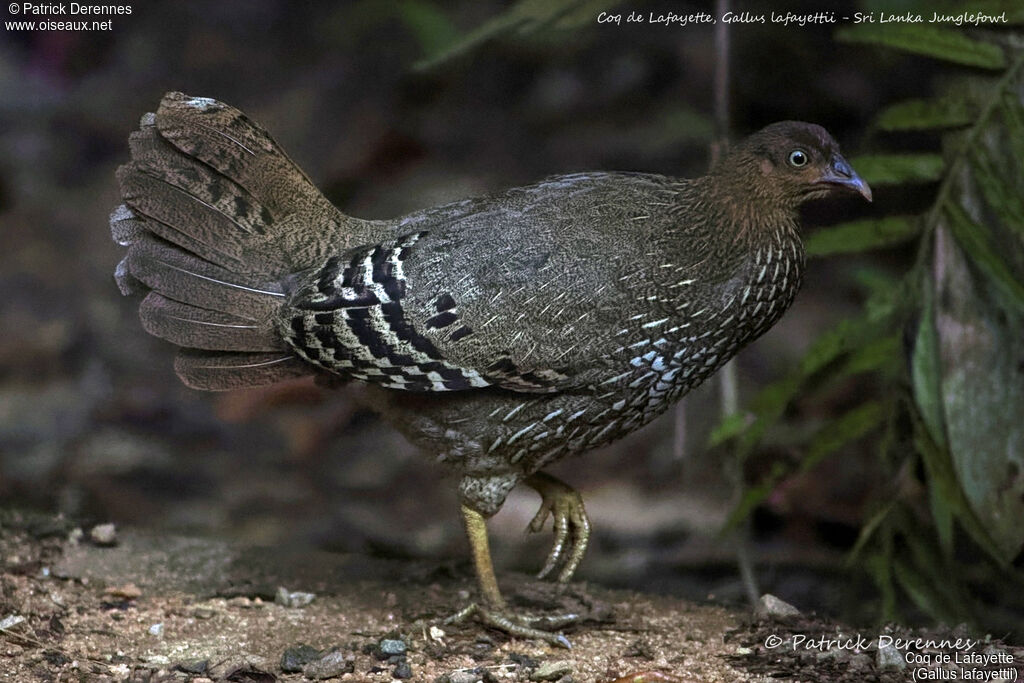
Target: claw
521	626
570	525
495	612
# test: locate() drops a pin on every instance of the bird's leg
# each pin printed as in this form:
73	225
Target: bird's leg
571	525
494	610
476	530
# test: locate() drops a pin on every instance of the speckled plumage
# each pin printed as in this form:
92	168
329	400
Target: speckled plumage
500	333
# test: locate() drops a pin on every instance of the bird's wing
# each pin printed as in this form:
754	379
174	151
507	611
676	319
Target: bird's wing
541	289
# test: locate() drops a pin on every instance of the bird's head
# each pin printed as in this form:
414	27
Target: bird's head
792	162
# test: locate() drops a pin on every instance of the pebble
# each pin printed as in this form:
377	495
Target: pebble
771	606
890	659
128	591
198	666
464	677
11	621
287	598
294	658
392	646
103	534
860	661
331	665
402	671
245	603
551	671
157	630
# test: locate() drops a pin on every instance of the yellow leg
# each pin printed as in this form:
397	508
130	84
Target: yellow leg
476	530
494	612
571	525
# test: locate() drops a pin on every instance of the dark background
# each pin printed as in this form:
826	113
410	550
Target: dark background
94	423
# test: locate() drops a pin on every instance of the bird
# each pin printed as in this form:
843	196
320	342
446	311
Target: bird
499	333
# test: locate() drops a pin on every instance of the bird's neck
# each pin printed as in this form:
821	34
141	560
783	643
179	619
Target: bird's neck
750	211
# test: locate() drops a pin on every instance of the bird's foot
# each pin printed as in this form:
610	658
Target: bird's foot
519	625
571	526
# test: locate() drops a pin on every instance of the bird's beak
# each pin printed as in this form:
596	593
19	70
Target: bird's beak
841	174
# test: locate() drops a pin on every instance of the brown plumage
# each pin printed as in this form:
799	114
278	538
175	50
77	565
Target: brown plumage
500	333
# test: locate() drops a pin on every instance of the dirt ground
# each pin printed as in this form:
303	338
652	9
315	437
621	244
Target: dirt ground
126	605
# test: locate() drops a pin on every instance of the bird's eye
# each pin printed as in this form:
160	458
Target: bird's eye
798	158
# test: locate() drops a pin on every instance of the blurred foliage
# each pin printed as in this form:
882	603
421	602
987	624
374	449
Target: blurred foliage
941	347
524	18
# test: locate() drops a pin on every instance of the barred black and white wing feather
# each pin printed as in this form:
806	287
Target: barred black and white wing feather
491	293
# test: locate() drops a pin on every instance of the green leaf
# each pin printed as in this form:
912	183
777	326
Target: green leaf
879	354
432	28
862	235
729	427
947	112
942	515
925	369
982	394
973	237
944	484
523	18
932	41
867	531
892	169
849	427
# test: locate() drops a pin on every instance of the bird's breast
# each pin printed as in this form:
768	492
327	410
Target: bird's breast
667	353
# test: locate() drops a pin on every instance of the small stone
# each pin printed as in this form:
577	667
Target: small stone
334	663
860	661
103	534
890	659
294	658
198	666
771	606
464	677
157	630
437	634
392	646
744	651
203	613
833	654
128	591
75	536
287	598
402	671
10	622
551	671
245	603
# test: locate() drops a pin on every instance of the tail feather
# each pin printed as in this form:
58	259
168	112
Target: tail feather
157	158
223	371
201	328
225	139
184	277
216	218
